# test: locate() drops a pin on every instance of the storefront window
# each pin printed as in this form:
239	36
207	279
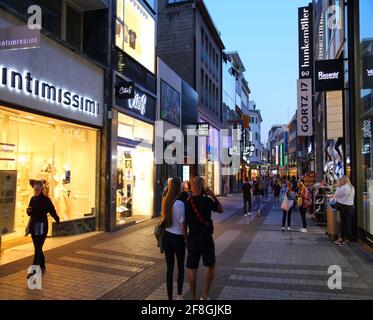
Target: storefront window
366	109
135	170
61	154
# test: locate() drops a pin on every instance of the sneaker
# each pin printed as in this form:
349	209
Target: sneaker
179	297
303	230
249	214
283	229
289	229
245	214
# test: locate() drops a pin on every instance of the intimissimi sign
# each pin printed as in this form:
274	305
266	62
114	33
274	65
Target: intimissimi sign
27	84
305	42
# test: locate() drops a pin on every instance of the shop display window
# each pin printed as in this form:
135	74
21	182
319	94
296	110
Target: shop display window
61	154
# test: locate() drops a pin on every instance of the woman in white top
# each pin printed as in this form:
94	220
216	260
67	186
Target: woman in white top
345	195
173	214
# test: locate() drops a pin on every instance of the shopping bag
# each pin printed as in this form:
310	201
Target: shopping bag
287	204
27	230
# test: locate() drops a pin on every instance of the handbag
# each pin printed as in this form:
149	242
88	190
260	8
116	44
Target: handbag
159	231
299	202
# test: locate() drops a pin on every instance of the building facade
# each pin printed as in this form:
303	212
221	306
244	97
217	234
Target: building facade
52	116
189	42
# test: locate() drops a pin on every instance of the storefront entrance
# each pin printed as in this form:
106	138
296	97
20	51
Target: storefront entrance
59	153
135	170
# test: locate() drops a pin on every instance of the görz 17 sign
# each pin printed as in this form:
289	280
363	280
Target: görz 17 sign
304	109
329	75
305	42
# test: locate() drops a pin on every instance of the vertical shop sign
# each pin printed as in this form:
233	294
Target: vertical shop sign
305	26
8	184
304	108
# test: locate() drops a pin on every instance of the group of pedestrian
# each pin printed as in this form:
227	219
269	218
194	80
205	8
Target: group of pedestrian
294	193
186	214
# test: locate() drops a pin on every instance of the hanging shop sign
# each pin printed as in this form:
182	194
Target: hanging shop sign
8	185
368	72
329	75
305	42
20	37
304	108
125	90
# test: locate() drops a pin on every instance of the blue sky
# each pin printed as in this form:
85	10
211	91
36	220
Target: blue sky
265	33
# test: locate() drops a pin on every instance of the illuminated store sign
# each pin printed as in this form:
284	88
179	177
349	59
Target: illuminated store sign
138	103
27	84
142	103
135	32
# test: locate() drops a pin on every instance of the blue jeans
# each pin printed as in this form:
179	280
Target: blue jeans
258	201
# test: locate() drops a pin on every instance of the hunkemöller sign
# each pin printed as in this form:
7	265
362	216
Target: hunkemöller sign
305	42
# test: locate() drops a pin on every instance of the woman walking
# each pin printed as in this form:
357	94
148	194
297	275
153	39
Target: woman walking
276	190
289	196
173	216
303	203
258	193
345	195
38	209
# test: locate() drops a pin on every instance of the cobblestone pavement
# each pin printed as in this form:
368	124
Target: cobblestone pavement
255	260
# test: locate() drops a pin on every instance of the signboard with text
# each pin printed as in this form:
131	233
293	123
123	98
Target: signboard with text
142	103
8	185
329	75
305	42
304	108
367	72
20	37
125	90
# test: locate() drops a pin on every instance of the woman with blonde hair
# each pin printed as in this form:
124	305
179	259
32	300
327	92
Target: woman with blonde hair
345	196
173	217
303	203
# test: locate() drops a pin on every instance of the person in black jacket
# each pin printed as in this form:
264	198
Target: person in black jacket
38	209
246	192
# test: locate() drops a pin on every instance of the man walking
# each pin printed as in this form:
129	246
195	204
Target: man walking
246	191
200	230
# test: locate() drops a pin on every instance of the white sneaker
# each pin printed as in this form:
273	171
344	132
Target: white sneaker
179	297
289	229
303	230
249	214
283	229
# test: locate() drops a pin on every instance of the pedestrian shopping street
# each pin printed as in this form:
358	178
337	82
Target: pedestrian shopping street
255	260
